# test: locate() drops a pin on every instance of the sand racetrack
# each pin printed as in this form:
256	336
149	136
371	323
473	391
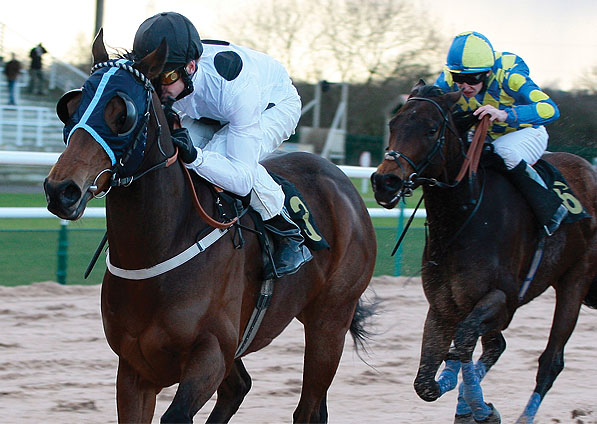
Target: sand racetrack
56	367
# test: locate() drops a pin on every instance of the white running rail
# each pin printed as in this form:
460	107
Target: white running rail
9	157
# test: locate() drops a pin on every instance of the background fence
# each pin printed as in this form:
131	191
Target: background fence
47	248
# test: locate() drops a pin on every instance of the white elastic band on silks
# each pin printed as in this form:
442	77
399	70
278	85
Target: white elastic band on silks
170	264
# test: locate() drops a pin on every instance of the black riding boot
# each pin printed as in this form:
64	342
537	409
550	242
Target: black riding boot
545	203
290	252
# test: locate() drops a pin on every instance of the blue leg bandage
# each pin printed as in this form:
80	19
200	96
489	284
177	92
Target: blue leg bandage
531	409
472	392
448	379
462	408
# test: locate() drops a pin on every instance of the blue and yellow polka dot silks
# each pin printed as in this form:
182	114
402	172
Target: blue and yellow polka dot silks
509	88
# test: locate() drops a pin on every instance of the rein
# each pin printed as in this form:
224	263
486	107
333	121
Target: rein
208	219
470	166
471	161
116	181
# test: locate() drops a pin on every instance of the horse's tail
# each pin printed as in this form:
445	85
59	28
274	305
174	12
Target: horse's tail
360	334
591	298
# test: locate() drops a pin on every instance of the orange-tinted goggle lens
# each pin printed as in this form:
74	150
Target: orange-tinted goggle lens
171	77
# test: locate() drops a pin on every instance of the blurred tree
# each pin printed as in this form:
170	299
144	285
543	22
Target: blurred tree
576	129
588	82
376	40
280	28
81	52
339	40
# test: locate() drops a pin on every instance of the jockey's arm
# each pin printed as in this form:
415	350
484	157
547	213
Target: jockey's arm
235	170
531	104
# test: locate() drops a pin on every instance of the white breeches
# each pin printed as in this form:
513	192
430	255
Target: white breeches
528	144
227	166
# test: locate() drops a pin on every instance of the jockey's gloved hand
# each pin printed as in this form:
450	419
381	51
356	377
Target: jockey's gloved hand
171	116
182	139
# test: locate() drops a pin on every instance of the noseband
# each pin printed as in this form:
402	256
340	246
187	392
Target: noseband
414	180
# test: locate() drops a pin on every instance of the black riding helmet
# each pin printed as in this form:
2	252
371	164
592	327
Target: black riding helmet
181	37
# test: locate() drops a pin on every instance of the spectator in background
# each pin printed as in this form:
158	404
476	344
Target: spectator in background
36	78
12	69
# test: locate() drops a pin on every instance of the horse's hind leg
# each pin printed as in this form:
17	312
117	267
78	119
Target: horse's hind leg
325	329
231	393
135	398
569	296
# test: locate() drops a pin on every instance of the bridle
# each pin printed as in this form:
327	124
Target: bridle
470	164
414	180
139	138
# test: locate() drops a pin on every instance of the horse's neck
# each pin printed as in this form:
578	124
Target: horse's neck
448	208
154	214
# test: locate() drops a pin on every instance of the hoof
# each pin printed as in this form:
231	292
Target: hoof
493	418
464	419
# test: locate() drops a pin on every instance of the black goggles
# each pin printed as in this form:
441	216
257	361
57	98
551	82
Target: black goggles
470	79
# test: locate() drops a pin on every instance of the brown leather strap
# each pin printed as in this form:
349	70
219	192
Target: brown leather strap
208	219
172	158
471	162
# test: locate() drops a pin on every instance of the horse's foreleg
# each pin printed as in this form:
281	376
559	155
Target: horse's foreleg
135	398
201	376
488	315
435	345
551	362
494	345
231	393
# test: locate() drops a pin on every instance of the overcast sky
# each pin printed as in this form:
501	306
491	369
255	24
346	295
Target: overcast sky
557	38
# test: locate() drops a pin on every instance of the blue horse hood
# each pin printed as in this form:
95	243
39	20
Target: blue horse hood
98	90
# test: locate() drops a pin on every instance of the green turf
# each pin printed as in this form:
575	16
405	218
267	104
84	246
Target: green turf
28	247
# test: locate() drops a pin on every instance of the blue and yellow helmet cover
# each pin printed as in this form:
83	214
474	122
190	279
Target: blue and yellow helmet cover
470	52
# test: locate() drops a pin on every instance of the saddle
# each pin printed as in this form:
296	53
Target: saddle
296	206
556	182
552	177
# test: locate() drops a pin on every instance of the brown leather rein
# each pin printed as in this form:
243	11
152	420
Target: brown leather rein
204	216
471	161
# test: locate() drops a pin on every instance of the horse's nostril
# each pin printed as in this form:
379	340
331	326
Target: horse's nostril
70	195
392	182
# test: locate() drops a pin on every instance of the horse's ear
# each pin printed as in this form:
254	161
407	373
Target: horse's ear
99	50
152	64
417	87
452	97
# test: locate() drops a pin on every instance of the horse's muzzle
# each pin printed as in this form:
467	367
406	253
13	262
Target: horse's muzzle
386	188
64	198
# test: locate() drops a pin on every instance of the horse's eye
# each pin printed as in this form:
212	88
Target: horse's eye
127	119
432	131
120	121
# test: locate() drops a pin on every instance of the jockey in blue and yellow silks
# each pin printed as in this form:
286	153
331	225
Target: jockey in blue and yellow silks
498	84
508	87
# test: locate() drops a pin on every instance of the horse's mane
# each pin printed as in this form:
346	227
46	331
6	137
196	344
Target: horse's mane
462	120
430	91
